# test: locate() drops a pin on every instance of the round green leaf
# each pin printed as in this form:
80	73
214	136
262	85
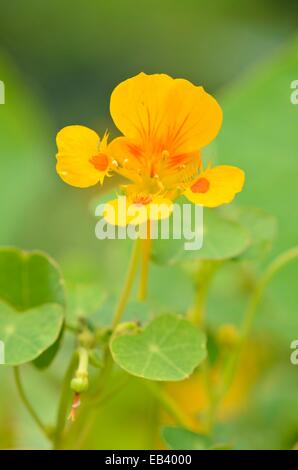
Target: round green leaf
29	280
84	301
169	348
28	334
222	239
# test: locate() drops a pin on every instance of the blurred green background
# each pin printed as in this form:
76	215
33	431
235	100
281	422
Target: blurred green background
59	61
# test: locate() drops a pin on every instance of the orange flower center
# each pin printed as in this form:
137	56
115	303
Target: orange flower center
200	186
100	162
142	200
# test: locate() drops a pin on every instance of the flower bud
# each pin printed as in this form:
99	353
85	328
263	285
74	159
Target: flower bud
126	328
228	336
79	384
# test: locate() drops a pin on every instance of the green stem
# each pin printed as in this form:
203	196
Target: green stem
27	403
95	400
145	265
209	386
108	363
251	310
277	264
197	315
204	276
82	369
106	371
127	285
64	402
168	403
131	272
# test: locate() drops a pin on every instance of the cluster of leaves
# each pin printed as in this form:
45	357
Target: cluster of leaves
153	345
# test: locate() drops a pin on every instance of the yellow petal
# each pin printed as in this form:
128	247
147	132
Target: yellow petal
216	186
163	114
194	117
79	159
122	211
138	105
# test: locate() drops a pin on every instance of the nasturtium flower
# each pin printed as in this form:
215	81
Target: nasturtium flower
165	123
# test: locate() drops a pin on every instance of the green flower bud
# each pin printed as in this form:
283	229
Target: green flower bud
127	328
79	384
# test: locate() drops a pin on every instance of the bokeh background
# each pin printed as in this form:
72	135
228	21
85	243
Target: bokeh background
59	61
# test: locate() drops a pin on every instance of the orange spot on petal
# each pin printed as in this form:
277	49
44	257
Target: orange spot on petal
100	162
200	186
142	200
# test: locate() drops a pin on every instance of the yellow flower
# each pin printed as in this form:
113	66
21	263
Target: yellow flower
165	123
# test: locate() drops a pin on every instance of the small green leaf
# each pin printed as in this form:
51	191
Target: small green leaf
27	335
29	280
261	226
169	348
222	239
178	438
92	303
83	301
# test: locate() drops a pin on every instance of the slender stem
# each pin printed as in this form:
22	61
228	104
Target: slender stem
108	360
211	394
197	315
145	264
95	400
168	403
277	264
83	362
27	403
127	285
90	406
106	371
72	328
251	310
204	276
64	402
